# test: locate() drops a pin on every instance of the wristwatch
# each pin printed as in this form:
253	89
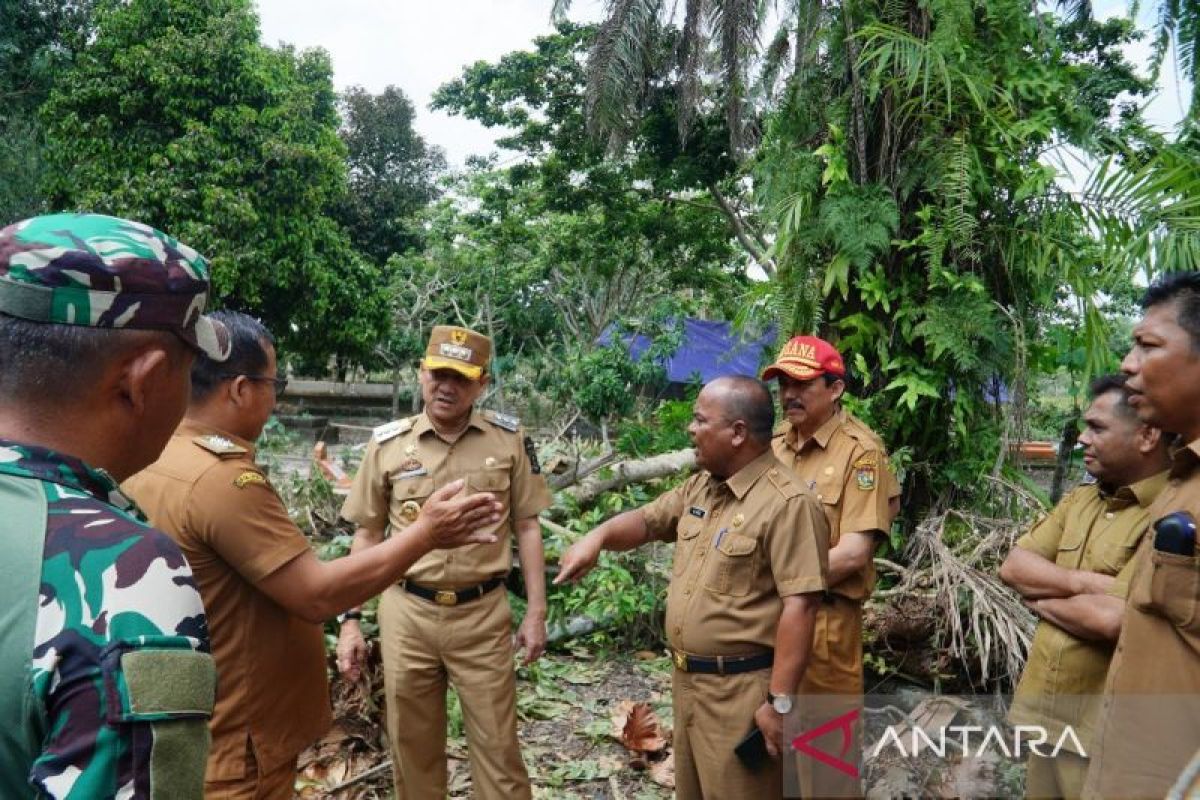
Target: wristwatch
354	615
782	703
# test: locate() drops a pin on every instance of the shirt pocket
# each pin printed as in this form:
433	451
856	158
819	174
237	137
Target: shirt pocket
406	490
1173	590
496	481
1070	553
1115	553
828	490
734	564
685	539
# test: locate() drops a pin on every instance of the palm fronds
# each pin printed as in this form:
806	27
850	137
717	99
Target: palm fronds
983	620
618	66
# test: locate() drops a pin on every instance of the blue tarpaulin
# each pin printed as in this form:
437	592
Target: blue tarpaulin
708	350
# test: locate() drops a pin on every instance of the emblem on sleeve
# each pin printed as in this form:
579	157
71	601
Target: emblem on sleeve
248	477
864	474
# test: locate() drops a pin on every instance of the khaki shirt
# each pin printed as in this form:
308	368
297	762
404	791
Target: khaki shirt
406	461
1150	725
846	465
207	493
1090	531
741	545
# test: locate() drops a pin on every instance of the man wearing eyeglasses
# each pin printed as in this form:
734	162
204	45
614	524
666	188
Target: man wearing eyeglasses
266	591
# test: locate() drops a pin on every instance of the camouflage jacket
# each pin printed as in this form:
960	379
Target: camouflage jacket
111	694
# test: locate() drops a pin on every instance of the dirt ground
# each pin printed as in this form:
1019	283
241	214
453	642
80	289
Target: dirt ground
564	704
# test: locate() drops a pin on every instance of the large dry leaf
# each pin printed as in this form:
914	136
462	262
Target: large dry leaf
663	772
637	727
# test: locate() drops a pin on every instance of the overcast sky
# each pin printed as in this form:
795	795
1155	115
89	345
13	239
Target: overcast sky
418	45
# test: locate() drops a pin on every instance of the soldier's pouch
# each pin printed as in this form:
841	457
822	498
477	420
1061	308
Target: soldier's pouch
165	691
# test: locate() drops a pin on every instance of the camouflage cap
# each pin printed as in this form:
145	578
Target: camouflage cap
105	272
460	349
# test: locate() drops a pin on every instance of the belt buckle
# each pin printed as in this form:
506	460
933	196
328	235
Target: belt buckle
680	661
444	597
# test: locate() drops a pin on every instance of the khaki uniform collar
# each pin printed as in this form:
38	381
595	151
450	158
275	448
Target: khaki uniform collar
191	429
741	481
423	425
1184	458
1142	493
822	435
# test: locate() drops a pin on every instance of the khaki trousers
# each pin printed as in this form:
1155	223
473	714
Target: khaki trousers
425	646
278	784
712	714
1058	777
833	684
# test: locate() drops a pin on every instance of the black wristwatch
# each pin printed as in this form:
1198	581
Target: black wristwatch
354	615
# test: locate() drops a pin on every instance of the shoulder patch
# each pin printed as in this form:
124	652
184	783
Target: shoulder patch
784	483
248	477
865	472
219	445
505	421
391	430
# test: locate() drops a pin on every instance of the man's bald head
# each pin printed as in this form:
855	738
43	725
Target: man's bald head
741	397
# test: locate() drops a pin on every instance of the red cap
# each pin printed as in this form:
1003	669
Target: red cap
804	358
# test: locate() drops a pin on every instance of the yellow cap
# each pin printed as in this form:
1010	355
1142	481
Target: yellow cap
460	349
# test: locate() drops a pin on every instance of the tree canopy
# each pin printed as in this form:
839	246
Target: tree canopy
176	115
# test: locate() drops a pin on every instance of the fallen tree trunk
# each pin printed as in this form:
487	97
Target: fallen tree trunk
580	470
624	473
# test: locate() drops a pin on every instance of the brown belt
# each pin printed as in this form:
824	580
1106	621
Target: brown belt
452	597
722	665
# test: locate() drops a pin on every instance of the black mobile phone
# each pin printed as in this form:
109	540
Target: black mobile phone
752	749
1176	533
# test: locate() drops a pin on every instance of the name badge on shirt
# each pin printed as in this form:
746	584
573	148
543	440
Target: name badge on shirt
412	473
697	512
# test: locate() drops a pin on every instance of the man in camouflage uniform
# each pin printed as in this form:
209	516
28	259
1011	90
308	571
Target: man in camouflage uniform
448	621
106	684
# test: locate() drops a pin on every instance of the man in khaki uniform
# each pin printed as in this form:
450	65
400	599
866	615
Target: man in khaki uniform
845	464
1150	724
749	566
1072	569
450	619
265	591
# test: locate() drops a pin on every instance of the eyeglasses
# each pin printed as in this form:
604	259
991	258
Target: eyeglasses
280	384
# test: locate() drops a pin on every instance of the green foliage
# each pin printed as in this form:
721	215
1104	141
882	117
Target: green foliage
555	249
392	172
626	592
659	431
38	39
175	114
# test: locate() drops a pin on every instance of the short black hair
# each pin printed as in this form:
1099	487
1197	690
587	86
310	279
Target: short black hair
1114	382
53	363
248	339
1184	289
749	400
